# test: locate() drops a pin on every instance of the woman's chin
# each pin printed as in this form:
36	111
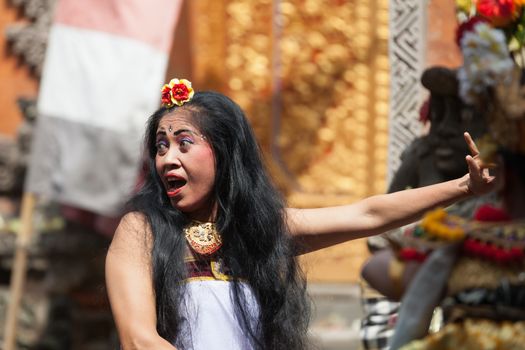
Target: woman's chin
195	212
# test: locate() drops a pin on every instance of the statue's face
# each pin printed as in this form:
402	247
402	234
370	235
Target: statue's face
450	118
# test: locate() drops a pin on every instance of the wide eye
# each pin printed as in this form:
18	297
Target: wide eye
162	146
185	142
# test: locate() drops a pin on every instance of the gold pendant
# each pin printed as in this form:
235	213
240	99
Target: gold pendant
203	238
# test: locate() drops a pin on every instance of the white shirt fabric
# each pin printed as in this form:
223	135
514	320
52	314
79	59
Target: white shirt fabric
211	321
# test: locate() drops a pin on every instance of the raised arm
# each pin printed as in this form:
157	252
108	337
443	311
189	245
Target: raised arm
324	227
130	287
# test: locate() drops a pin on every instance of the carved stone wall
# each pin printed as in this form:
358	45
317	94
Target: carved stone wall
422	35
28	39
14	153
313	77
17	79
407	43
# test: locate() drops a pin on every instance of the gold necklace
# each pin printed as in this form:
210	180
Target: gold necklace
203	237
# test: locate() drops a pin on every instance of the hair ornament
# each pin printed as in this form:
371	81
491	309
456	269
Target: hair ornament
176	92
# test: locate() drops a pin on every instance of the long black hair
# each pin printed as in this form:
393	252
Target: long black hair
251	219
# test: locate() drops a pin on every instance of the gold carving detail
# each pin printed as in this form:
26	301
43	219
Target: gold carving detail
326	143
324	129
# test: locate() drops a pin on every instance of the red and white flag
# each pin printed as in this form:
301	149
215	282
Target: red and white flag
104	67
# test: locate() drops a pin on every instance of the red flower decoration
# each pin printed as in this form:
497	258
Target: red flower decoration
406	254
498	12
176	92
165	95
180	92
466	27
489	213
516	253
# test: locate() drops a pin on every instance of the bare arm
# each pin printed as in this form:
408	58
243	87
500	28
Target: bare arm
130	286
323	227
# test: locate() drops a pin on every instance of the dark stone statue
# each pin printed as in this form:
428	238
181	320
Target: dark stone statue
439	155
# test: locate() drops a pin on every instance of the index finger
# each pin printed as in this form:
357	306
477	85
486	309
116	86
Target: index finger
471	144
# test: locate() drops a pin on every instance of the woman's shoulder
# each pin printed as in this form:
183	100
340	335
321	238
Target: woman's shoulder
133	229
134	219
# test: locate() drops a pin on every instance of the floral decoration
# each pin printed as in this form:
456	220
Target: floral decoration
464	6
503	243
507	15
491	36
490	251
176	92
486	58
439	224
500	13
412	254
467	26
490	213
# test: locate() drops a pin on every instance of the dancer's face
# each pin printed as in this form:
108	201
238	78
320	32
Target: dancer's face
186	166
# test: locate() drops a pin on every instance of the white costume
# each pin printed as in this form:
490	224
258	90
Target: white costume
209	310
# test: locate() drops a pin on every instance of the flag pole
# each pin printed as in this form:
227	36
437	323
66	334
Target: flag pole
18	273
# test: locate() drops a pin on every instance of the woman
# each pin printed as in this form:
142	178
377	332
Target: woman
205	258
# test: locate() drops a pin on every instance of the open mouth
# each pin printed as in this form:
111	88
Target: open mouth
174	185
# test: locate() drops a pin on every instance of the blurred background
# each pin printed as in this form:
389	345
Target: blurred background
331	88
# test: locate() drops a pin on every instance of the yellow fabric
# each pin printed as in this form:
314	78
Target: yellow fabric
478	273
395	270
474	335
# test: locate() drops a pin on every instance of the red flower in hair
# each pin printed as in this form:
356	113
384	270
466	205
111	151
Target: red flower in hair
165	95
176	92
180	92
498	12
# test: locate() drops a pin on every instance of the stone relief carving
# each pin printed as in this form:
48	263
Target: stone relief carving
14	153
28	40
407	40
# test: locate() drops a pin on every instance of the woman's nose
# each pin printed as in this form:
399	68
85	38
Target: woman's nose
173	157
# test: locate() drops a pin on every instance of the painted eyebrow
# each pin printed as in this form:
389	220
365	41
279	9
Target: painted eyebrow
162	131
180	131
